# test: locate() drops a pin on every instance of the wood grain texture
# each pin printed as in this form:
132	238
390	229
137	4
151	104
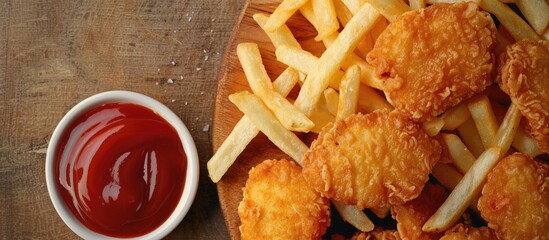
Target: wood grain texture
226	115
54	53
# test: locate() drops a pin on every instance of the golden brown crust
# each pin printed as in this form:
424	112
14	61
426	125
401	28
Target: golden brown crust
412	215
466	232
279	204
377	235
524	75
433	58
515	198
372	161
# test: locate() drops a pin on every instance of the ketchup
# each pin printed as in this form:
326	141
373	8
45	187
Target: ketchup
121	169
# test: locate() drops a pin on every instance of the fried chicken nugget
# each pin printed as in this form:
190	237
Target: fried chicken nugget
524	76
412	215
466	232
377	235
515	198
433	58
279	204
372	161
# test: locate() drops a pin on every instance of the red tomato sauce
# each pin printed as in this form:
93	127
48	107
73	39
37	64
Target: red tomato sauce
121	169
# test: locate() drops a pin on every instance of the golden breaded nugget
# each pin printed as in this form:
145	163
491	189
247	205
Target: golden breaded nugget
515	198
376	235
431	59
524	75
372	161
279	204
466	232
412	215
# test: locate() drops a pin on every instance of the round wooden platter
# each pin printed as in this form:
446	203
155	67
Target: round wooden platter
226	115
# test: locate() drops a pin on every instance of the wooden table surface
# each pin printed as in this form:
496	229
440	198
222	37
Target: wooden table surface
55	53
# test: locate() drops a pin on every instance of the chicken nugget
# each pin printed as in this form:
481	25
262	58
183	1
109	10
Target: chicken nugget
412	215
467	232
372	161
279	204
431	59
515	198
524	75
377	234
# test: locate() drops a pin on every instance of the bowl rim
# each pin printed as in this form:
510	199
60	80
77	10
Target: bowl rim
123	96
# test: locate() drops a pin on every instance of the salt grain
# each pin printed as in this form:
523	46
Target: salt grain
156	83
206	128
198	69
170	81
173	63
181	77
186	102
173	100
202	93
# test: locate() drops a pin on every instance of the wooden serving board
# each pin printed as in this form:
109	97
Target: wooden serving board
226	115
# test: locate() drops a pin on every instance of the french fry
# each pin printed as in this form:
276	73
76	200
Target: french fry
508	128
381	212
266	122
332	100
469	135
433	127
451	1
449	120
464	193
368	75
344	15
282	13
354	5
321	119
369	100
243	132
286	81
417	4
325	17
380	26
287	113
304	61
390	9
354	216
309	14
485	119
470	185
455	116
331	60
460	155
281	36
447	175
518	28
536	12
348	93
523	141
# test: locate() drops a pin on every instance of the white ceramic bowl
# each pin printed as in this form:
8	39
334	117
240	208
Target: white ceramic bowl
191	181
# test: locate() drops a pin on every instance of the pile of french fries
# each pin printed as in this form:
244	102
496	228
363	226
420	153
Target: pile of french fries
339	83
